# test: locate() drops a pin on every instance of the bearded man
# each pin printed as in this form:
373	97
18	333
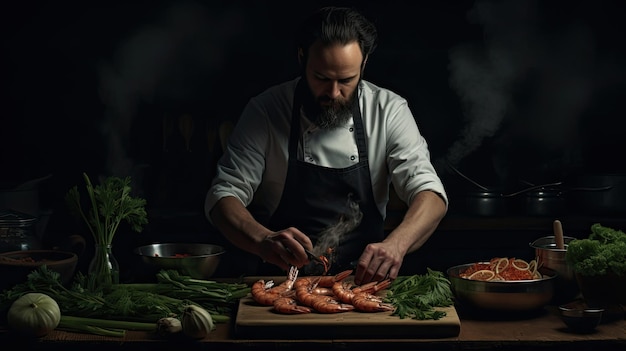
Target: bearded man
309	165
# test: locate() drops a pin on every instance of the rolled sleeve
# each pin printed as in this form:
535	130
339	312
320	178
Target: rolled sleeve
254	164
239	171
397	148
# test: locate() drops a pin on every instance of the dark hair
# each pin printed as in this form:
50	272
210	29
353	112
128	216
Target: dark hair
337	25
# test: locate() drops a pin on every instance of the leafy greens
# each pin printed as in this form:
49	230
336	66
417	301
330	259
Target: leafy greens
416	296
110	204
131	302
603	252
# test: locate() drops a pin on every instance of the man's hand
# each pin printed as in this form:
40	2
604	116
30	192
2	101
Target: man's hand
378	261
384	259
285	248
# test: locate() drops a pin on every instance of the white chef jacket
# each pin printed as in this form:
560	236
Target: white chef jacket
254	164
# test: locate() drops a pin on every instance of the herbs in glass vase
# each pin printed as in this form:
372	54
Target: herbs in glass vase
107	205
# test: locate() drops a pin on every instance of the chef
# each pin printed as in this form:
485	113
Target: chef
310	162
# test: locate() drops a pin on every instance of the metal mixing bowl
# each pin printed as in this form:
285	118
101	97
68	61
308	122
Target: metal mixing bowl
198	261
548	255
502	296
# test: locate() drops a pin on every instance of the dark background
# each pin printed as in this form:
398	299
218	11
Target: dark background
504	91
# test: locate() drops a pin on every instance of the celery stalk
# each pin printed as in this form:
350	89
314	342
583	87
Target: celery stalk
103	326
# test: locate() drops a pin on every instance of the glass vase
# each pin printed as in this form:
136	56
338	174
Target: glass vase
103	269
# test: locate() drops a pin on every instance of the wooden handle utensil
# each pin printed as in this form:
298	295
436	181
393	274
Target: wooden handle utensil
558	234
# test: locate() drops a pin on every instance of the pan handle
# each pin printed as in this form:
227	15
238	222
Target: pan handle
602	188
583	188
466	177
532	188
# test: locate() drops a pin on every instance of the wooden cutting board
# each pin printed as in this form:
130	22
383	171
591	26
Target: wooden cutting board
254	321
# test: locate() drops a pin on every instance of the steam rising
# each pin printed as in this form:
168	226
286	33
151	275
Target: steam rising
483	83
332	236
525	52
166	61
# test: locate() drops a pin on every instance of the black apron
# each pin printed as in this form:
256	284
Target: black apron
315	197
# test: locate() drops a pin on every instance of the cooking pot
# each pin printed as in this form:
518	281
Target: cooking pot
599	194
553	199
535	200
548	200
544	202
491	202
486	202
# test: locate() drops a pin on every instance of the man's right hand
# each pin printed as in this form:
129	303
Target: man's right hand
285	248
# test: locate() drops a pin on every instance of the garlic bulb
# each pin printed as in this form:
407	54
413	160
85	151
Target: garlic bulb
196	322
168	326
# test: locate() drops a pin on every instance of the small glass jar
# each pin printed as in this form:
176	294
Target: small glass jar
17	231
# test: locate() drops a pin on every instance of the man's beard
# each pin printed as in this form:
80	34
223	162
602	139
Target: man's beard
327	113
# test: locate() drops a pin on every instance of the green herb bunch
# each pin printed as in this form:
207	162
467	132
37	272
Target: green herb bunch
603	252
417	296
110	203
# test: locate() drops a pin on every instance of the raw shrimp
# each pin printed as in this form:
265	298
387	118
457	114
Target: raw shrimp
266	293
345	291
327	281
324	281
323	291
263	293
320	303
288	305
366	302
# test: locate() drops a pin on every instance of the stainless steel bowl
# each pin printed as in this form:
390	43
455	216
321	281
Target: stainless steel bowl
198	261
502	296
548	255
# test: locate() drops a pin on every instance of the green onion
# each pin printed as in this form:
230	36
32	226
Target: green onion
104	327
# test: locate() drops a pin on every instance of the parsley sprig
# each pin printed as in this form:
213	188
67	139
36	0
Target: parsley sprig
417	296
110	203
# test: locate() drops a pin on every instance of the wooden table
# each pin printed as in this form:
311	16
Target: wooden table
544	331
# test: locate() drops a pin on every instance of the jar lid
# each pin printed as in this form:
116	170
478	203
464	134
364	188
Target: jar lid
11	218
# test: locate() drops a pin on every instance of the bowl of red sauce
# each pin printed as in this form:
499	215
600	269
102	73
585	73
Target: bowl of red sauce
502	285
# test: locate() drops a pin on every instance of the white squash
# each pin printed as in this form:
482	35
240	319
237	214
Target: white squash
34	314
197	322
